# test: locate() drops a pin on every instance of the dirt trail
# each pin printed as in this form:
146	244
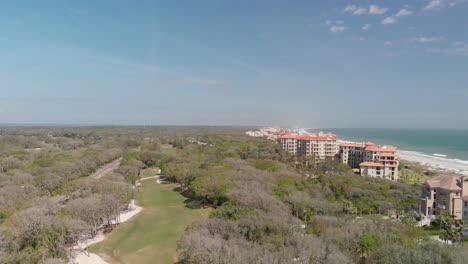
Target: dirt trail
106	169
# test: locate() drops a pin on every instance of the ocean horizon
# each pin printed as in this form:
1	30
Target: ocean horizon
450	144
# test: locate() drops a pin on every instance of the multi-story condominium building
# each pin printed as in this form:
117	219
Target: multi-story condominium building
371	160
444	194
319	145
353	154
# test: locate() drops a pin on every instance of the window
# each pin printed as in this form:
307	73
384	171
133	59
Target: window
457	194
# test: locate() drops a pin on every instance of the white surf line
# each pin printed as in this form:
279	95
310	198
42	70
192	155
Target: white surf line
434	162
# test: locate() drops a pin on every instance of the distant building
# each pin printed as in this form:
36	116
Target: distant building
321	145
445	194
371	160
271	133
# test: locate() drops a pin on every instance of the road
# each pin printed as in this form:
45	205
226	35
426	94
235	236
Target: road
106	169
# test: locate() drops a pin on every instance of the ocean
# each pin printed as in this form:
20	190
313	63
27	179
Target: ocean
426	142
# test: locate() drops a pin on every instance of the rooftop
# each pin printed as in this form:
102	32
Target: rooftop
445	182
316	137
385	148
355	145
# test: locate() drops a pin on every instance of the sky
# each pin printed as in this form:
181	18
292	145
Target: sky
315	64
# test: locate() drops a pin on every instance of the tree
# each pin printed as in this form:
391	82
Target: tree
367	244
36	235
89	209
131	173
452	228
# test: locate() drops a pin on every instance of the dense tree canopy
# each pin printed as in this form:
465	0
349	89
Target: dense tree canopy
268	208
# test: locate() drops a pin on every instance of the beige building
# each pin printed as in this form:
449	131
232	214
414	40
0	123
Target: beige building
319	145
445	194
371	160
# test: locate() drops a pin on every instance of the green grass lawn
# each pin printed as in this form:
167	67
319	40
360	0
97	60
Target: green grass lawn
432	230
151	237
411	176
149	172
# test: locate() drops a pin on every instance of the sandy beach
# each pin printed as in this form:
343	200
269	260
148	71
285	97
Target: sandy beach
452	165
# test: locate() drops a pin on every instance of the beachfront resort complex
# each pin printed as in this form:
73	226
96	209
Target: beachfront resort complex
441	194
445	194
368	159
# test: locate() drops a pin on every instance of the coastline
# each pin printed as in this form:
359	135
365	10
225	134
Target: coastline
434	162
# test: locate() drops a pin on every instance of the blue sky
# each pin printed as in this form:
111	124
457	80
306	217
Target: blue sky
294	63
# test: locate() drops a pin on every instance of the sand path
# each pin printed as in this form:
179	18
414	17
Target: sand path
82	256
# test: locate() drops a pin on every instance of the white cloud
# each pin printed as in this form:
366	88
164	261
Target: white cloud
355	10
393	19
403	12
427	39
459	48
337	28
377	10
389	20
349	8
434	4
366	27
362	10
388	43
439	4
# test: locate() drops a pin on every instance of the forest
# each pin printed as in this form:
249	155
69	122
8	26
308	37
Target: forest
266	208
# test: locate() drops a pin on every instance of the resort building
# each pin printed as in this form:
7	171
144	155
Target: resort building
371	160
321	145
445	194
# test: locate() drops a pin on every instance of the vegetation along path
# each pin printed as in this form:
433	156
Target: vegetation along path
152	236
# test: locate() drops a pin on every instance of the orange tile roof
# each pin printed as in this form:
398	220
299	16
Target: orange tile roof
312	137
381	148
371	164
356	145
445	182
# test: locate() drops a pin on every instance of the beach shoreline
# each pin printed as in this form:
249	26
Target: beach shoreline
435	162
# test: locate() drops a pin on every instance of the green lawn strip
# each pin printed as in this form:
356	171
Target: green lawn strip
432	230
149	172
151	237
412	177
